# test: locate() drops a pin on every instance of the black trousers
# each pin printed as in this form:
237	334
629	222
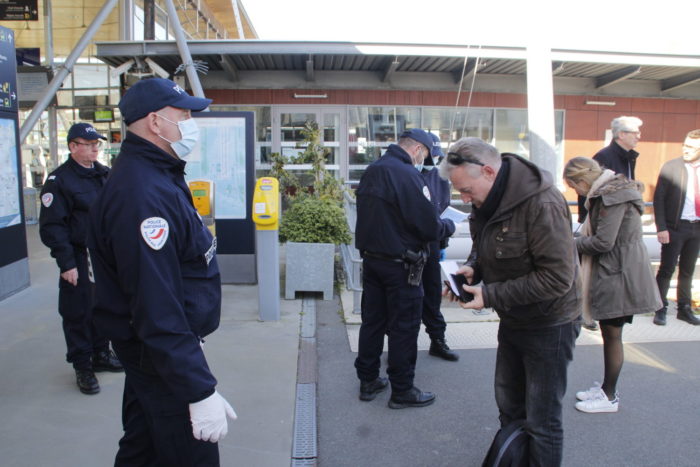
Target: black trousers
682	250
393	307
157	427
432	317
75	308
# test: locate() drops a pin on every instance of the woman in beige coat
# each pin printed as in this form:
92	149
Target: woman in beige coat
617	278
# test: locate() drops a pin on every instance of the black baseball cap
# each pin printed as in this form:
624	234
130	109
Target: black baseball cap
83	130
152	94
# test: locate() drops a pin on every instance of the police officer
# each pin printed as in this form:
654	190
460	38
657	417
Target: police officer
396	221
66	197
432	317
158	289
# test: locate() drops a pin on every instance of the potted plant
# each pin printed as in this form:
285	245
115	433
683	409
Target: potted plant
313	220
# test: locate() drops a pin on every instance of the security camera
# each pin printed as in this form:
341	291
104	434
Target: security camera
123	68
157	69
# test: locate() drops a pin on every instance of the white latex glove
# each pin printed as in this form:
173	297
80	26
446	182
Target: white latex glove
208	418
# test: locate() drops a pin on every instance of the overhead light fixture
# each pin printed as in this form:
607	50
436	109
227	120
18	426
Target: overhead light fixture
310	96
610	103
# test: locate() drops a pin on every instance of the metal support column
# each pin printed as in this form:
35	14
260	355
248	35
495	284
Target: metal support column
184	50
48	62
540	109
65	69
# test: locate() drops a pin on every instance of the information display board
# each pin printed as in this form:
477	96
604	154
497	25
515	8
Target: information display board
225	154
12	231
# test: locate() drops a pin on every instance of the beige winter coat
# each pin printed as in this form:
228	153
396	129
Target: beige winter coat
622	282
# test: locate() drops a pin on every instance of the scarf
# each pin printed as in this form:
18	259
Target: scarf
587	260
493	199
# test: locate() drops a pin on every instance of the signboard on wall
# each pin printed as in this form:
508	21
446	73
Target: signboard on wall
19	10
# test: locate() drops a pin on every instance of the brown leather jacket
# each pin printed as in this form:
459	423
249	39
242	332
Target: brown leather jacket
525	253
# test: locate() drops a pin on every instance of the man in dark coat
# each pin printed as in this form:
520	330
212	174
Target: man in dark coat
619	156
396	221
157	284
524	256
677	218
69	192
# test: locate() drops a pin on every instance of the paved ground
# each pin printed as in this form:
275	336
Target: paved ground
47	422
657	423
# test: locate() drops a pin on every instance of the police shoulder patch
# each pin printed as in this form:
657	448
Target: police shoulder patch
154	231
426	193
47	199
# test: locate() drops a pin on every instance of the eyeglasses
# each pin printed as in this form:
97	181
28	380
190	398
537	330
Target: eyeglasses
459	159
96	145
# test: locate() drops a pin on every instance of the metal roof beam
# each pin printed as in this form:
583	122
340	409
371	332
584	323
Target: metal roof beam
678	81
310	69
390	69
227	64
616	76
471	67
557	67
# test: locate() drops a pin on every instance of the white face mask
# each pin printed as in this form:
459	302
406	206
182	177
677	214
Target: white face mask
189	132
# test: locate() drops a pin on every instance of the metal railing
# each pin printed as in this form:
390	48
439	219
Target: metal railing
350	256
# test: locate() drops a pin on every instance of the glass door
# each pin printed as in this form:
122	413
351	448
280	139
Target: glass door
288	123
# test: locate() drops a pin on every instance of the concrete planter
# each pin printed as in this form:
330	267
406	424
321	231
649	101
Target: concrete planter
309	269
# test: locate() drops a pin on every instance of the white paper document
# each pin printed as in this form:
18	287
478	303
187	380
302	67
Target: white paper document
455	215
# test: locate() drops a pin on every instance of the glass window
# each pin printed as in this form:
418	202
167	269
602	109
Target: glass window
91	76
511	133
451	124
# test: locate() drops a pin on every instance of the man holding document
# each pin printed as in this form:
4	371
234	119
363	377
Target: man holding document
523	254
396	221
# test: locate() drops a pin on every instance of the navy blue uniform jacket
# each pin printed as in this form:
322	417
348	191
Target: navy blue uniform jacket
394	208
440	195
65	200
156	276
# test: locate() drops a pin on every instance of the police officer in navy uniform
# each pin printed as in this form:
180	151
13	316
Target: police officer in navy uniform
432	317
158	289
396	222
67	195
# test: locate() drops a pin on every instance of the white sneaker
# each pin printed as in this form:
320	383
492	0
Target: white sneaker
591	393
598	405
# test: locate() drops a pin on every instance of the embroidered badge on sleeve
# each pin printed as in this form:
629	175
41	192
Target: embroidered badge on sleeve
154	231
47	199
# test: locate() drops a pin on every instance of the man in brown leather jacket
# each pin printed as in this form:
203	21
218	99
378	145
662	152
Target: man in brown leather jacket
524	258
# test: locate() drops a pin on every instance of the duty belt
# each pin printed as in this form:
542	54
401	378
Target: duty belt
369	254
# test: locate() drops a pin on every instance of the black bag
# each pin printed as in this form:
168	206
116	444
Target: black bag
510	447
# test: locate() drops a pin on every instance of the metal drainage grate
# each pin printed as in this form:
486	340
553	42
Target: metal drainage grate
304	448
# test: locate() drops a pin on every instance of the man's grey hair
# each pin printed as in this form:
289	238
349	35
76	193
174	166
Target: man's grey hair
469	148
625	123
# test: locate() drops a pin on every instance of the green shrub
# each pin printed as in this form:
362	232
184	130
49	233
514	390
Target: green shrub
313	220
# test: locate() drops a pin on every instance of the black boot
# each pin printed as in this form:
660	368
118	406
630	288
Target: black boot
413	397
87	383
370	389
685	313
439	348
106	361
660	317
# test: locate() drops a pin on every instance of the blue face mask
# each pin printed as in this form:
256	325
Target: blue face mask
419	167
190	135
